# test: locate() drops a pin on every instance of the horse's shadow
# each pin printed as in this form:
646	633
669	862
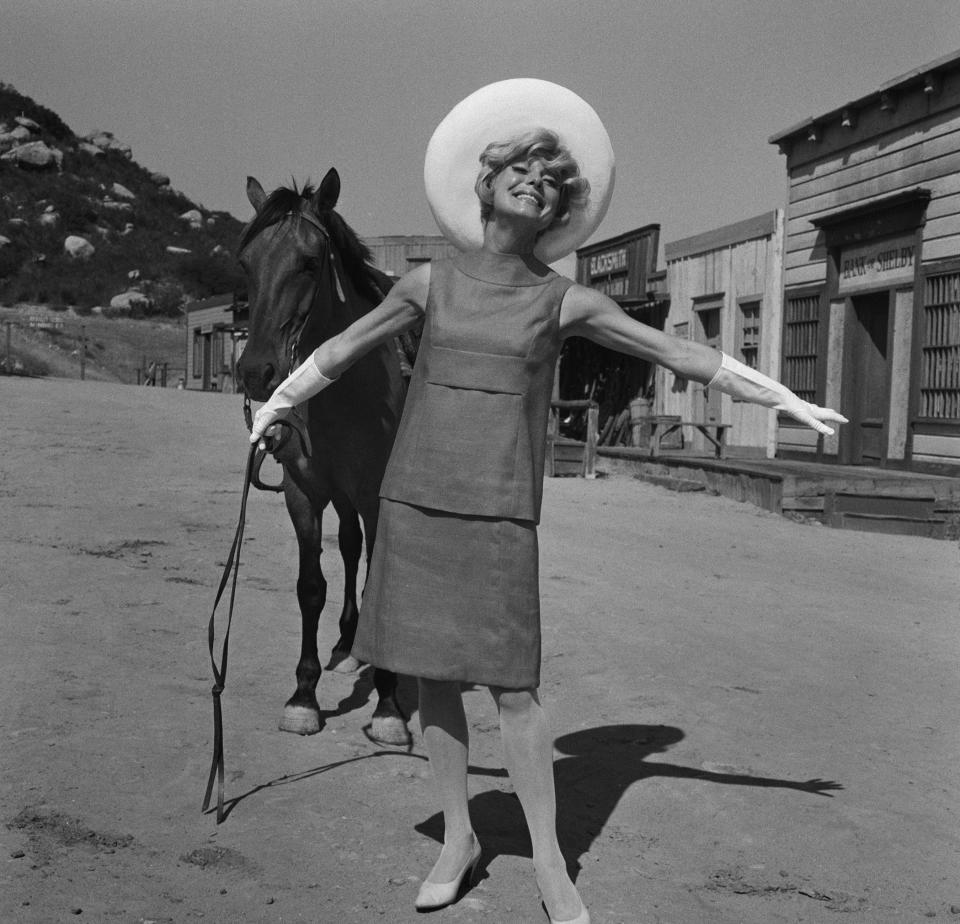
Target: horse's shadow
598	766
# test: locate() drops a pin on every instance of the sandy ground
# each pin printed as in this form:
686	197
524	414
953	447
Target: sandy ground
756	719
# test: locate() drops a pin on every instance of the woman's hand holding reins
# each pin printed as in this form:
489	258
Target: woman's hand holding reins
304	382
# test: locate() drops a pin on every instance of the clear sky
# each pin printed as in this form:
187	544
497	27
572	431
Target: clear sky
209	91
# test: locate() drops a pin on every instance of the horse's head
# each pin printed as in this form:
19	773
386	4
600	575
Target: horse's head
287	254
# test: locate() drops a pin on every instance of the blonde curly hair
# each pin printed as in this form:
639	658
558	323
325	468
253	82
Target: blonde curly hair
537	144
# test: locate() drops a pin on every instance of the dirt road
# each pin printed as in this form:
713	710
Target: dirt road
756	719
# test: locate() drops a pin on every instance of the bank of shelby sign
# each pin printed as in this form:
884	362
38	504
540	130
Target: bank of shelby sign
876	265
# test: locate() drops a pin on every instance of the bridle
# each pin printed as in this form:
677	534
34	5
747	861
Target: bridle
291	353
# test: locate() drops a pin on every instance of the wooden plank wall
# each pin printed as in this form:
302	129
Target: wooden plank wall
398	253
922	152
734	271
203	319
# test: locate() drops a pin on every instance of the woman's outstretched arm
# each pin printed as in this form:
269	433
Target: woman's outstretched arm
591	314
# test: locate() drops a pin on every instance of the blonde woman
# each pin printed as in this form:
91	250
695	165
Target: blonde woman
452	594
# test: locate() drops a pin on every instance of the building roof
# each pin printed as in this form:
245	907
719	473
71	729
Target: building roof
917	76
759	226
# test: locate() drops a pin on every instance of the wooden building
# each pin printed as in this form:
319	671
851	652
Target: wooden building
872	273
217	326
725	291
397	253
216	332
625	268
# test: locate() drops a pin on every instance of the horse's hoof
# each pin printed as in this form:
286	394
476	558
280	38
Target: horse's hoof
342	662
300	720
390	730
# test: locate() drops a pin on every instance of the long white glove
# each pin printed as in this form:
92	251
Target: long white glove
304	382
734	378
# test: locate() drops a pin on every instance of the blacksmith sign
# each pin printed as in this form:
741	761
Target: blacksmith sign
619	267
879	264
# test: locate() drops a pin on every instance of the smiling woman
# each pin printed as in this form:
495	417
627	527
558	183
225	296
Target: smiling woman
452	594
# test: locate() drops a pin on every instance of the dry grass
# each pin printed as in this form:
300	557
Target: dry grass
44	342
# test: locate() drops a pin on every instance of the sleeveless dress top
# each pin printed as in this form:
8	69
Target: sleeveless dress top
452	591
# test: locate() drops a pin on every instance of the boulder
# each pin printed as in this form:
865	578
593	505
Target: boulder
29	124
115	206
34	154
48	219
90	149
133	275
118	190
172	249
193	217
107	142
21	133
78	247
4	241
128	301
159	179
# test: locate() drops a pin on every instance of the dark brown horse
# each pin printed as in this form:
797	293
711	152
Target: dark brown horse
310	277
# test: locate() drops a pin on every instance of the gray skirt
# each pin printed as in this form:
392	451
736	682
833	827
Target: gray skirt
452	597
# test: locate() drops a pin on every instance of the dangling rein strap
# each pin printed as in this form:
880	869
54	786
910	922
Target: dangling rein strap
220	673
251	476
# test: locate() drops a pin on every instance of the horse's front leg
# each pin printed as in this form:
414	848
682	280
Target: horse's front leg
389	723
350	539
301	714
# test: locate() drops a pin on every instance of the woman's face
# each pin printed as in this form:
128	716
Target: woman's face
524	189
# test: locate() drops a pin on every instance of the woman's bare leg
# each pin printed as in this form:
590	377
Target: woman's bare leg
528	752
446	739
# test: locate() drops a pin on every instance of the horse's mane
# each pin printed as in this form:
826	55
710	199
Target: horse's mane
354	254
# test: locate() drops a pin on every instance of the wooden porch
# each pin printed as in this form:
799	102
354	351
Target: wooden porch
840	496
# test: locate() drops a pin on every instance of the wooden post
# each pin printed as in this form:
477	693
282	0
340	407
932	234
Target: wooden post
83	351
9	348
590	449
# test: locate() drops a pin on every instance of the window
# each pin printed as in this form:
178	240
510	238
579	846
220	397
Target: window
197	354
940	349
749	333
801	331
217	361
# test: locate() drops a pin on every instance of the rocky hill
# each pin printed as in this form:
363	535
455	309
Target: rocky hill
84	226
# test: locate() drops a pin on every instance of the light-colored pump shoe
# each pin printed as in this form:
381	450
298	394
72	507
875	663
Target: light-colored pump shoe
433	895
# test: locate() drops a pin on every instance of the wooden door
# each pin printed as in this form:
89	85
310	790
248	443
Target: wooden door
867	378
207	361
707	407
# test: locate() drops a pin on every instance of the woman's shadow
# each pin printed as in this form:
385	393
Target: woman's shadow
598	766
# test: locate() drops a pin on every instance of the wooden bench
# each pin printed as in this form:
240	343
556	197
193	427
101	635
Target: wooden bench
663	425
571	457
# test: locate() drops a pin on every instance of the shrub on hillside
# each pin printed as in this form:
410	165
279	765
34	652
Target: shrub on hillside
14	103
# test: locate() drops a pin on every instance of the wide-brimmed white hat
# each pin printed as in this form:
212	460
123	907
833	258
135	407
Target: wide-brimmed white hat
501	111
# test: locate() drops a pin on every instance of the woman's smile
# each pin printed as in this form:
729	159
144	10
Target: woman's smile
526	188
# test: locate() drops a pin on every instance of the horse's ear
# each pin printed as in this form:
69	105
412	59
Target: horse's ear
255	193
325	198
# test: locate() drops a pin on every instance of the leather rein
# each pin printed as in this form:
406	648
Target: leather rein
255	457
